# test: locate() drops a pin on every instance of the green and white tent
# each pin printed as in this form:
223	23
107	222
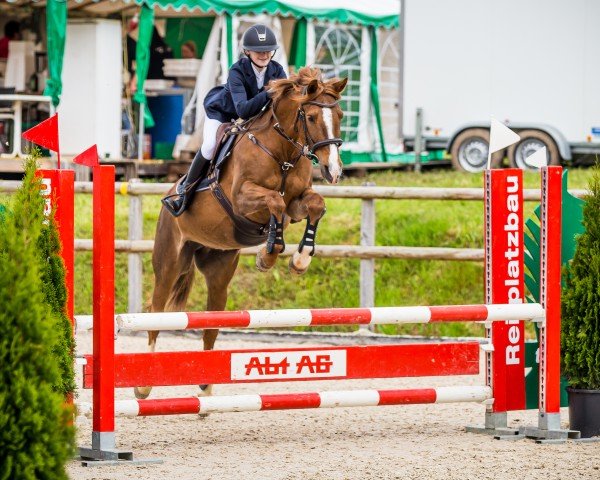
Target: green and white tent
344	38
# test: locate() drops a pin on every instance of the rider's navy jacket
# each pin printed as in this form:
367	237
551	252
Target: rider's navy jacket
240	96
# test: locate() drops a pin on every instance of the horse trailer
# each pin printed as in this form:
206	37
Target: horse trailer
533	65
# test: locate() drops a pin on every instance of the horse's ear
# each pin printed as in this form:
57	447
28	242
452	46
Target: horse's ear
339	85
312	87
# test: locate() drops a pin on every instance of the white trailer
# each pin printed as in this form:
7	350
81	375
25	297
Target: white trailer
532	64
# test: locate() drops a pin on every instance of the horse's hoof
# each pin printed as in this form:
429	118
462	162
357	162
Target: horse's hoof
205	391
142	392
299	263
260	265
295	269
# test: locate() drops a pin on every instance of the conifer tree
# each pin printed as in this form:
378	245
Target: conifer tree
55	292
580	337
36	435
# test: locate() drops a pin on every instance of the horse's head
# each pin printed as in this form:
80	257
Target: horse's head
317	116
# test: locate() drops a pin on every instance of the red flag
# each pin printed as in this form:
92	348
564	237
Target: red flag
45	134
88	158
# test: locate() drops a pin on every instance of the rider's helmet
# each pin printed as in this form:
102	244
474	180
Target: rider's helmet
259	38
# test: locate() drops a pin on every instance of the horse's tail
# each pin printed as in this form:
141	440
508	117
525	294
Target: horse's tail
181	292
184	282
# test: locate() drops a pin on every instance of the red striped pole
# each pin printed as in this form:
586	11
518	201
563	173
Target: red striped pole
332	316
287	401
550	265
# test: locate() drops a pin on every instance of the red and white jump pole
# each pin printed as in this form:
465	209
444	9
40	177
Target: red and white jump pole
330	316
288	401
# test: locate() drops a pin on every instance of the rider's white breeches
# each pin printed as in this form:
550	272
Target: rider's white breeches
209	137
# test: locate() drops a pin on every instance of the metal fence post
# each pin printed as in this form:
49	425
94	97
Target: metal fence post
418	139
367	265
136	232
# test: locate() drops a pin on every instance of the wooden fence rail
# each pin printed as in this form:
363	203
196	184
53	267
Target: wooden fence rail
367	252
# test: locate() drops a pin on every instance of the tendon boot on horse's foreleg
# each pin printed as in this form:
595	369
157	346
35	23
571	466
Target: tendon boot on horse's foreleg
177	203
266	257
300	260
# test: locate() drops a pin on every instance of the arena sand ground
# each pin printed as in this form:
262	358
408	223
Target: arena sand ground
424	442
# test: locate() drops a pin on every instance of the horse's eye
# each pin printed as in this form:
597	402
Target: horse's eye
310	118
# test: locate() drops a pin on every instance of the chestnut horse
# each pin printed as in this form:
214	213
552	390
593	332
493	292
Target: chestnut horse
268	181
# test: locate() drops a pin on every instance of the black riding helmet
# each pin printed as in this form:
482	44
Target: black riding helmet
259	38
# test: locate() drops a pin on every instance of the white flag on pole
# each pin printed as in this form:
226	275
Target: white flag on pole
537	159
500	137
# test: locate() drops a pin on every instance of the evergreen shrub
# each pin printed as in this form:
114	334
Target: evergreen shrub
36	432
580	329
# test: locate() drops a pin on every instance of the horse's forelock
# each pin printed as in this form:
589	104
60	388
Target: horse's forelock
294	88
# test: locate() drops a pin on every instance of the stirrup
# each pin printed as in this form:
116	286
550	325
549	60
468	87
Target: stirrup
169	202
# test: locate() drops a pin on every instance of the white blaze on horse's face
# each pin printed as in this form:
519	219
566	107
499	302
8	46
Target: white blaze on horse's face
335	164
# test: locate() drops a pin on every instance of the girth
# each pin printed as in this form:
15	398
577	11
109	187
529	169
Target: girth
245	232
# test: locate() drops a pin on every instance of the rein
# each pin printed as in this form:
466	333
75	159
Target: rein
304	150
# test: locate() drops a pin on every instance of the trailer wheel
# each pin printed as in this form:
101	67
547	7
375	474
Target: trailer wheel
470	148
531	141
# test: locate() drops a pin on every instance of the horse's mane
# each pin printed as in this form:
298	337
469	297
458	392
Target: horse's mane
294	88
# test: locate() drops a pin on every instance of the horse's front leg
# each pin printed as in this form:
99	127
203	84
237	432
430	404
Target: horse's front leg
253	198
309	205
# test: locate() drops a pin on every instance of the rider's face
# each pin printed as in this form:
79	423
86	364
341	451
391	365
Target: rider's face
261	59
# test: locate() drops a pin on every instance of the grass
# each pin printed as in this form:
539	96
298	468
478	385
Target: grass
335	282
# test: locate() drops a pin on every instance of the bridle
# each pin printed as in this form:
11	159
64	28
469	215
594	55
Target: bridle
307	149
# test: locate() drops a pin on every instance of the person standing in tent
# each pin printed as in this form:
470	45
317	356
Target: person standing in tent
242	96
12	31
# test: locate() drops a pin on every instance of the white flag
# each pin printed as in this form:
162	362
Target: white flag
537	159
500	137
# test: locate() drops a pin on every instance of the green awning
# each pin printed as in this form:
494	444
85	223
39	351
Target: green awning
381	13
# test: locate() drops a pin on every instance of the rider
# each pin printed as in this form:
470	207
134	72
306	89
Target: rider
242	96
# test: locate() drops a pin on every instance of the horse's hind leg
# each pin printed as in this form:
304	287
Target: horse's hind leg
218	267
173	279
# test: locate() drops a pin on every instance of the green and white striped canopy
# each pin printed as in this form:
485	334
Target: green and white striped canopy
380	13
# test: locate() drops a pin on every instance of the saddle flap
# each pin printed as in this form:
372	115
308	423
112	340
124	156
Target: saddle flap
225	142
221	131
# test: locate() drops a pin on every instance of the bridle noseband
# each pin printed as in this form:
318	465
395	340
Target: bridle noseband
312	145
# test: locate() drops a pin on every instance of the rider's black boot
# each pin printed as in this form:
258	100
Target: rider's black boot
179	201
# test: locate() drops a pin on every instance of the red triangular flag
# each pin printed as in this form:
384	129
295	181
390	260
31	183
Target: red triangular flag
88	158
45	134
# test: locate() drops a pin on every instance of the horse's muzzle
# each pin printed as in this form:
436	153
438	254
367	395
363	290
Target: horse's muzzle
327	175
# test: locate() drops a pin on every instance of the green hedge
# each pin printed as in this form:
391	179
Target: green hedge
580	335
36	435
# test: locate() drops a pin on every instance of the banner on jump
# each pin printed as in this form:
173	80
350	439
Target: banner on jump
504	284
285	365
